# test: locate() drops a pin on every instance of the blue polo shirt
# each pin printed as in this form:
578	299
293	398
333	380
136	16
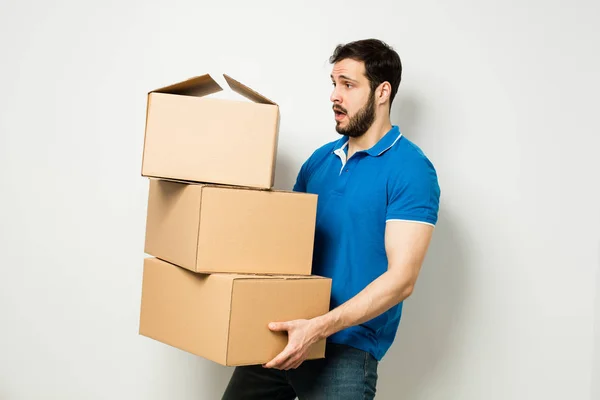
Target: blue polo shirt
393	180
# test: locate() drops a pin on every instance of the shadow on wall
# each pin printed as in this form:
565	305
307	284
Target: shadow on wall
425	336
285	172
405	110
215	378
595	389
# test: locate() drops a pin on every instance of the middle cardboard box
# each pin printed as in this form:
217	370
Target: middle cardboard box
210	228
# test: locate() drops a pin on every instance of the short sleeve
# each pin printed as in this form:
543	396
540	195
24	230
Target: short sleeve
301	183
303	179
414	194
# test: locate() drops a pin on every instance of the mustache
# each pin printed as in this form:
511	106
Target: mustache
340	109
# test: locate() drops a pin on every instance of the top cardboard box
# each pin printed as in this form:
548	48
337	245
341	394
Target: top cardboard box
196	138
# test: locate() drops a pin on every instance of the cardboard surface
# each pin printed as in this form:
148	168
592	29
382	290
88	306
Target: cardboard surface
224	317
212	228
192	137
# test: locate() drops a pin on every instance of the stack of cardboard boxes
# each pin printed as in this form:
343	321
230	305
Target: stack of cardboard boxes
228	253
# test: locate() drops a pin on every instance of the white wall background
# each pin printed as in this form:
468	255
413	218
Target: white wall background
502	96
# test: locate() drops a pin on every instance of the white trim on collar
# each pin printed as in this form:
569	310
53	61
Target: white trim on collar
390	146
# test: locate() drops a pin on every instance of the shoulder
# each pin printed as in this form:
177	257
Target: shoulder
320	153
326	149
412	173
312	163
413	188
408	151
409	161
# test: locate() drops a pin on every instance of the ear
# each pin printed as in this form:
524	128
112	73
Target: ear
384	92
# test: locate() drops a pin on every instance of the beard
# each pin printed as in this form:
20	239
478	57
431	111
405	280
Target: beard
361	121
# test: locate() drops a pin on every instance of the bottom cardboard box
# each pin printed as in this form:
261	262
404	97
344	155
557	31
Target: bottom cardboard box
224	317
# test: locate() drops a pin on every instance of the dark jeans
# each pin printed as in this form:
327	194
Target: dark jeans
345	373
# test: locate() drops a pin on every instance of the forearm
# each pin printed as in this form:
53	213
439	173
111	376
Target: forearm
386	291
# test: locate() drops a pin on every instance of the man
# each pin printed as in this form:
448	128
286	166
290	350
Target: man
378	199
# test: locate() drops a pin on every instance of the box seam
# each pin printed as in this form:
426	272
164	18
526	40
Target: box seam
148	103
199	225
228	336
275	148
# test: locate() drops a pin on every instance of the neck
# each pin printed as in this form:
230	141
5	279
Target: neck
370	137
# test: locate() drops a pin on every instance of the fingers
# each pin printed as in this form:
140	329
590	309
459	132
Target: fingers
292	362
285	363
289	358
286	352
280	359
299	363
292	355
279	326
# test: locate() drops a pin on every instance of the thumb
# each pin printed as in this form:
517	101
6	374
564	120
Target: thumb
279	326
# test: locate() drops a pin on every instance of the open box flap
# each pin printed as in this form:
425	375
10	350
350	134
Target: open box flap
245	91
197	86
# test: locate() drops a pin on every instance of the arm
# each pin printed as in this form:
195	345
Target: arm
406	244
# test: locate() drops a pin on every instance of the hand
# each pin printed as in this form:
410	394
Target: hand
302	334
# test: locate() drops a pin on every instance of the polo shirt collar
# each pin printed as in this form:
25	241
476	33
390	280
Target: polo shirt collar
384	144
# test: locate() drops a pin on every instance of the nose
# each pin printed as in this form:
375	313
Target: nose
335	96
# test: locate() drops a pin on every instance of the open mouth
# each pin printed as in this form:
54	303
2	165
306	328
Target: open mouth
339	114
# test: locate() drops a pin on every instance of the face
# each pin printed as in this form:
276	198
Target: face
353	101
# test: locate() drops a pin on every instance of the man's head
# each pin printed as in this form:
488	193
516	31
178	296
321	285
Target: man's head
366	75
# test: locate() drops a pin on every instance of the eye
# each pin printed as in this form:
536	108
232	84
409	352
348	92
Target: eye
333	84
348	85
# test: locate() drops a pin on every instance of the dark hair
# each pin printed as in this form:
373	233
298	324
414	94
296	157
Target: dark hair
382	63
